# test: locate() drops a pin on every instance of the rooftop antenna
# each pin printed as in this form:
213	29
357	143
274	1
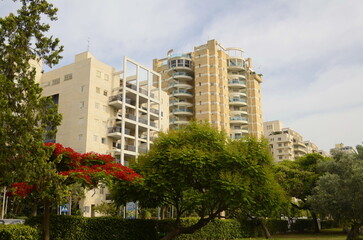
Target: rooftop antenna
88	44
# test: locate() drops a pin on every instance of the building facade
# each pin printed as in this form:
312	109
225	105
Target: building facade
285	143
107	111
213	84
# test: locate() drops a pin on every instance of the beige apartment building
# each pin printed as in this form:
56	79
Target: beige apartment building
107	111
214	84
285	143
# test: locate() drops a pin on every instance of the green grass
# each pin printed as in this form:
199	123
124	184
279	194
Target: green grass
331	234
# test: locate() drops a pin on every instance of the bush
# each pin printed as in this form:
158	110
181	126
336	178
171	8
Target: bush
18	232
302	225
326	224
112	228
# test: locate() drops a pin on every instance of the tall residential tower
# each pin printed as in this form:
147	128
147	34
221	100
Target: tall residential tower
213	84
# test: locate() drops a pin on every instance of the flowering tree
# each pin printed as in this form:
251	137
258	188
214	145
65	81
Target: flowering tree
66	167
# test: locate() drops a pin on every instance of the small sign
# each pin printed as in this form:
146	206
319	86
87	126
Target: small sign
64	208
131	209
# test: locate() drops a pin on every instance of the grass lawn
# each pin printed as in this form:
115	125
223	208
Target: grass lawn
332	234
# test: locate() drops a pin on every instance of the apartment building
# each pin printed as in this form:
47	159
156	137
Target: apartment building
285	143
214	84
107	111
343	148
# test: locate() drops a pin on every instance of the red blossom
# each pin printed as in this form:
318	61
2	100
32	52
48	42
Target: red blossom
21	189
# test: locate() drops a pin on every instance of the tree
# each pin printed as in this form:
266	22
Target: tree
196	169
339	192
298	178
25	116
67	167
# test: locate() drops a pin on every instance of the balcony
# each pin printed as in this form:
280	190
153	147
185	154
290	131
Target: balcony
180	63
181	111
182	93
130	116
237	83
142	120
177	84
177	122
235	64
130	148
238	112
116	101
237	119
238	102
142	150
180	103
154	111
115	132
181	75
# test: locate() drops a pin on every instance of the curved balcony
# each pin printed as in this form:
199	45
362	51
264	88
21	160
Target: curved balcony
239	120
237	102
180	63
237	83
182	93
179	85
236	75
177	122
180	103
181	111
240	130
235	95
181	75
235	63
238	112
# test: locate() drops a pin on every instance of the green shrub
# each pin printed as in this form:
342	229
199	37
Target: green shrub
277	226
18	232
326	224
303	225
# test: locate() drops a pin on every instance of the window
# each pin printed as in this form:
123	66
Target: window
98	90
81	104
103	140
279	139
68	77
101	190
200	84
81	120
83	87
98	74
97	105
200	102
280	151
105	93
95	138
106	77
55	81
80	137
280	157
279	144
200	93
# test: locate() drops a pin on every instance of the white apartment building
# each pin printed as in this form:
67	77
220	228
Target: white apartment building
107	111
285	143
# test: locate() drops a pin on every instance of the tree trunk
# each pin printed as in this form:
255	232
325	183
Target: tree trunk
354	232
316	223
34	210
46	221
266	232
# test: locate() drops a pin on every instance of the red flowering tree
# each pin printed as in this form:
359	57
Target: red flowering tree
66	167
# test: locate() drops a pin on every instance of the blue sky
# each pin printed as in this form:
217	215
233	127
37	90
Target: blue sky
310	52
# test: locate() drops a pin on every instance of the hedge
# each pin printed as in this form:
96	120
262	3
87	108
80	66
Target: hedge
18	232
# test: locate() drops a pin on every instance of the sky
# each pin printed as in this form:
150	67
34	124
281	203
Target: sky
310	52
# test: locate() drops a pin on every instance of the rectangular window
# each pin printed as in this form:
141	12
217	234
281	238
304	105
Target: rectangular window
279	139
106	77
105	93
98	74
98	90
55	81
97	105
81	104
68	77
80	137
81	120
103	140
95	138
83	87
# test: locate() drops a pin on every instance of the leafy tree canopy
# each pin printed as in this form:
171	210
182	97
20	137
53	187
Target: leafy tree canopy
339	192
196	169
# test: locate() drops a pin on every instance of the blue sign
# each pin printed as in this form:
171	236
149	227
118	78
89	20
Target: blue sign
131	209
64	208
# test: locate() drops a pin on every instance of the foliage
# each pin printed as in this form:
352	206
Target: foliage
107	209
25	116
18	232
112	228
339	192
196	169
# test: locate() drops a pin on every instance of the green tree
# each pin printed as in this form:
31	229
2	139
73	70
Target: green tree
196	169
298	178
339	192
25	117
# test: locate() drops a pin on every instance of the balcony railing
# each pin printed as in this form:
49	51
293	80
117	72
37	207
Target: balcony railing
182	91
182	110
236	81
143	120
238	119
237	100
118	130
118	98
131	116
131	148
181	74
155	111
